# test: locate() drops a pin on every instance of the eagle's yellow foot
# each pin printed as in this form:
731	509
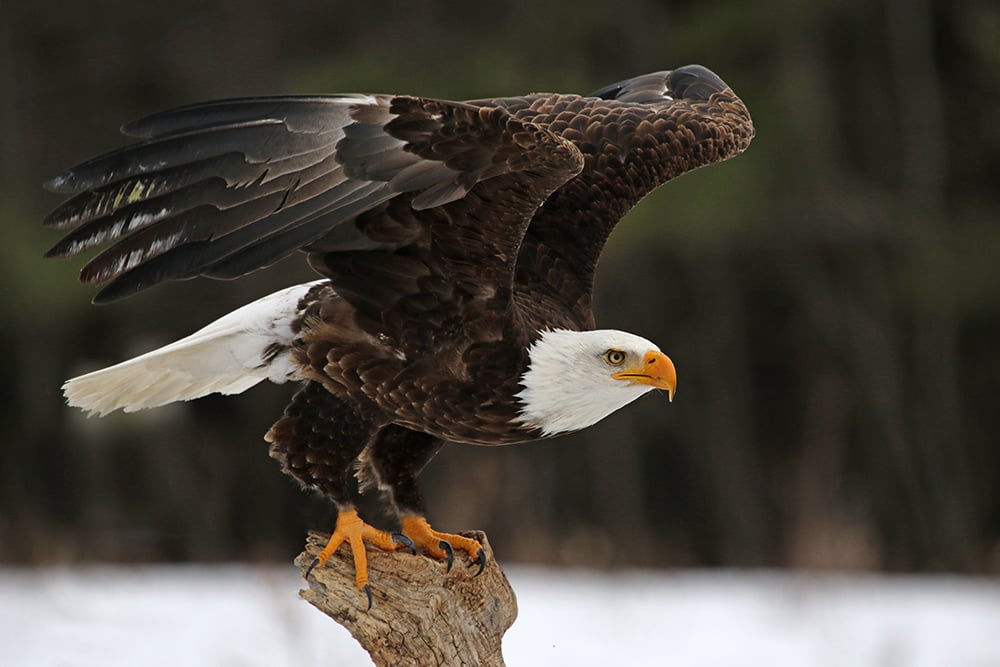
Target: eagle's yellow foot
354	531
442	545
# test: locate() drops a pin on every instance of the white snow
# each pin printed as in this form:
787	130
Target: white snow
238	615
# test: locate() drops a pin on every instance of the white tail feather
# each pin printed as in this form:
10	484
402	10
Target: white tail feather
227	357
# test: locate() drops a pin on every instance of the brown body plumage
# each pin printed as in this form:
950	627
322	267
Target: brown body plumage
451	237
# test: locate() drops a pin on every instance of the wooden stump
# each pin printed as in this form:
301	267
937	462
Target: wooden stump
421	614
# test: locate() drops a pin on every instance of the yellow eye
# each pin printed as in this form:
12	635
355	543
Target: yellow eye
614	357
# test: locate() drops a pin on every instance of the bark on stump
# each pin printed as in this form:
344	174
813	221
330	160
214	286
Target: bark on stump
421	615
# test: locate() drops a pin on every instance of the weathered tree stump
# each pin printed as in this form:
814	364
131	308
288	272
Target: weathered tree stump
421	614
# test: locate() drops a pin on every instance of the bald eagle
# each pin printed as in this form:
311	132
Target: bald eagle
456	241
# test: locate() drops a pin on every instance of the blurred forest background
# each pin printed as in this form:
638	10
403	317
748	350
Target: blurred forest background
831	298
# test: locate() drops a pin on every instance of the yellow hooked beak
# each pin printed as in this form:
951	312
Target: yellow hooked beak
655	370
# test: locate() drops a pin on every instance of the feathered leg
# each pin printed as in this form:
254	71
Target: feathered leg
317	440
392	462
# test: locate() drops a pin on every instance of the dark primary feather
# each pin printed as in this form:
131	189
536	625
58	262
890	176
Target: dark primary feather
515	195
299	113
692	82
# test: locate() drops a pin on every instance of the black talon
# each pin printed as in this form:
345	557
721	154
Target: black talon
368	591
314	563
449	552
481	559
399	538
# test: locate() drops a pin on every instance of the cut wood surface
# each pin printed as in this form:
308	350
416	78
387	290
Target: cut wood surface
421	614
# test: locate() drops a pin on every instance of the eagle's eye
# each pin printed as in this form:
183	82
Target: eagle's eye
614	357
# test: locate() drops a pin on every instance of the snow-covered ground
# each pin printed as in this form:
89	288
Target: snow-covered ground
222	616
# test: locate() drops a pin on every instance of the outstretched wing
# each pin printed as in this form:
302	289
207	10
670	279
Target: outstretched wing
635	135
223	188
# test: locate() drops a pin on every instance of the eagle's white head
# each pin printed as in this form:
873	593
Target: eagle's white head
577	378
